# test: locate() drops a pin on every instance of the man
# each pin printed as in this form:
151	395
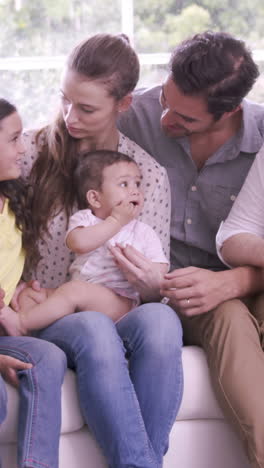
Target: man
200	127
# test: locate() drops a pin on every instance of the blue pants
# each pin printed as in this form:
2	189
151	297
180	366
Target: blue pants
40	399
3	401
130	409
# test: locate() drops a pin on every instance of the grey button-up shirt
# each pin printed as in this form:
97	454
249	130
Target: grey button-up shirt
200	199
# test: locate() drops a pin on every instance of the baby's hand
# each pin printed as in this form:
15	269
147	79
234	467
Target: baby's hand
125	211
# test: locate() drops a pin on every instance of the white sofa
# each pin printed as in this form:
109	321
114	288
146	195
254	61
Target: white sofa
200	437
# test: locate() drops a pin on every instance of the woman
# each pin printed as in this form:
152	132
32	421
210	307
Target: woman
97	82
35	367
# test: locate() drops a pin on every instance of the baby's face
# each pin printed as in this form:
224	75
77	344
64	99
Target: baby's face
121	181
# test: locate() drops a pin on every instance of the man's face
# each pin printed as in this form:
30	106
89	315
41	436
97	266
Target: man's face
183	115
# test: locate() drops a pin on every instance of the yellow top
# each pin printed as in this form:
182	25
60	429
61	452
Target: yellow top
12	256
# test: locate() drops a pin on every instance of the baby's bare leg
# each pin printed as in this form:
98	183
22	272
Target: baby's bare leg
71	297
12	321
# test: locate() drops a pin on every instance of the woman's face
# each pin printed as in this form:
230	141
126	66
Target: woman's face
88	109
11	147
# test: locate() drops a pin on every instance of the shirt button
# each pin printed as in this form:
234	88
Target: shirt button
189	221
194	188
232	197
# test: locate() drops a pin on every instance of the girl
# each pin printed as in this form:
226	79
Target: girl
35	366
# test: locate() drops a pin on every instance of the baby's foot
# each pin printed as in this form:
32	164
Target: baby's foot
10	322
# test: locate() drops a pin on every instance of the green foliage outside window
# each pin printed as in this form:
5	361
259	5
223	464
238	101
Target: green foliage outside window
51	28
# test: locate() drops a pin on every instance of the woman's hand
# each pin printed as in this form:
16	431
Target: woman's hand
33	284
9	367
143	274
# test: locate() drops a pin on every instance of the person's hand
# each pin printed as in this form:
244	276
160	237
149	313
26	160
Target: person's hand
194	291
2	295
143	274
125	211
34	284
9	367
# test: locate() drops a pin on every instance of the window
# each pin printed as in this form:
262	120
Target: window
36	35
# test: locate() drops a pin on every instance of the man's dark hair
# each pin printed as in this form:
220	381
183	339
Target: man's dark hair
217	66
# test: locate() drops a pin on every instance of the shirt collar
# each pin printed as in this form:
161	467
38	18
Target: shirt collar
251	137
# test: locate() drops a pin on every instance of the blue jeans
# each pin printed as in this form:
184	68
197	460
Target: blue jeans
129	409
3	401
40	399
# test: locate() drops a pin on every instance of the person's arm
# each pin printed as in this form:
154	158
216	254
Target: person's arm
239	240
145	269
145	275
194	291
9	367
244	249
87	238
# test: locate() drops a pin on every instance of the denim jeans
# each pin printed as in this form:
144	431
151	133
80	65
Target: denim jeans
3	401
40	399
129	409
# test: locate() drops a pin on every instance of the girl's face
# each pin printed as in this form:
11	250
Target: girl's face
121	181
11	147
88	109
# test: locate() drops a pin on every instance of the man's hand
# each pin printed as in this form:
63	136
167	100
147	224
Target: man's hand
194	291
34	284
125	211
142	273
9	367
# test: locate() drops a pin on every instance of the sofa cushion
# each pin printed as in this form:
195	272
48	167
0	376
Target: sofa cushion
198	401
72	419
198	398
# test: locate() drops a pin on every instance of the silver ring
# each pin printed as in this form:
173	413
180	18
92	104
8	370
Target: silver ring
187	301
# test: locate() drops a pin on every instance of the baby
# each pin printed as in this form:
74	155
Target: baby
110	198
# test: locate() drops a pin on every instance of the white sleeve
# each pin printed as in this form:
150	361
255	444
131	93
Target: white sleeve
82	218
247	213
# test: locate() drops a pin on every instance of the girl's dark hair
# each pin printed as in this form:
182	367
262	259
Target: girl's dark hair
88	174
218	67
108	59
20	196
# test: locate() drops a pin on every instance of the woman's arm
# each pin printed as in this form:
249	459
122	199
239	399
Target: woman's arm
145	275
144	269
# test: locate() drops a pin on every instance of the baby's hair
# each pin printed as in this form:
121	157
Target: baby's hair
88	174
